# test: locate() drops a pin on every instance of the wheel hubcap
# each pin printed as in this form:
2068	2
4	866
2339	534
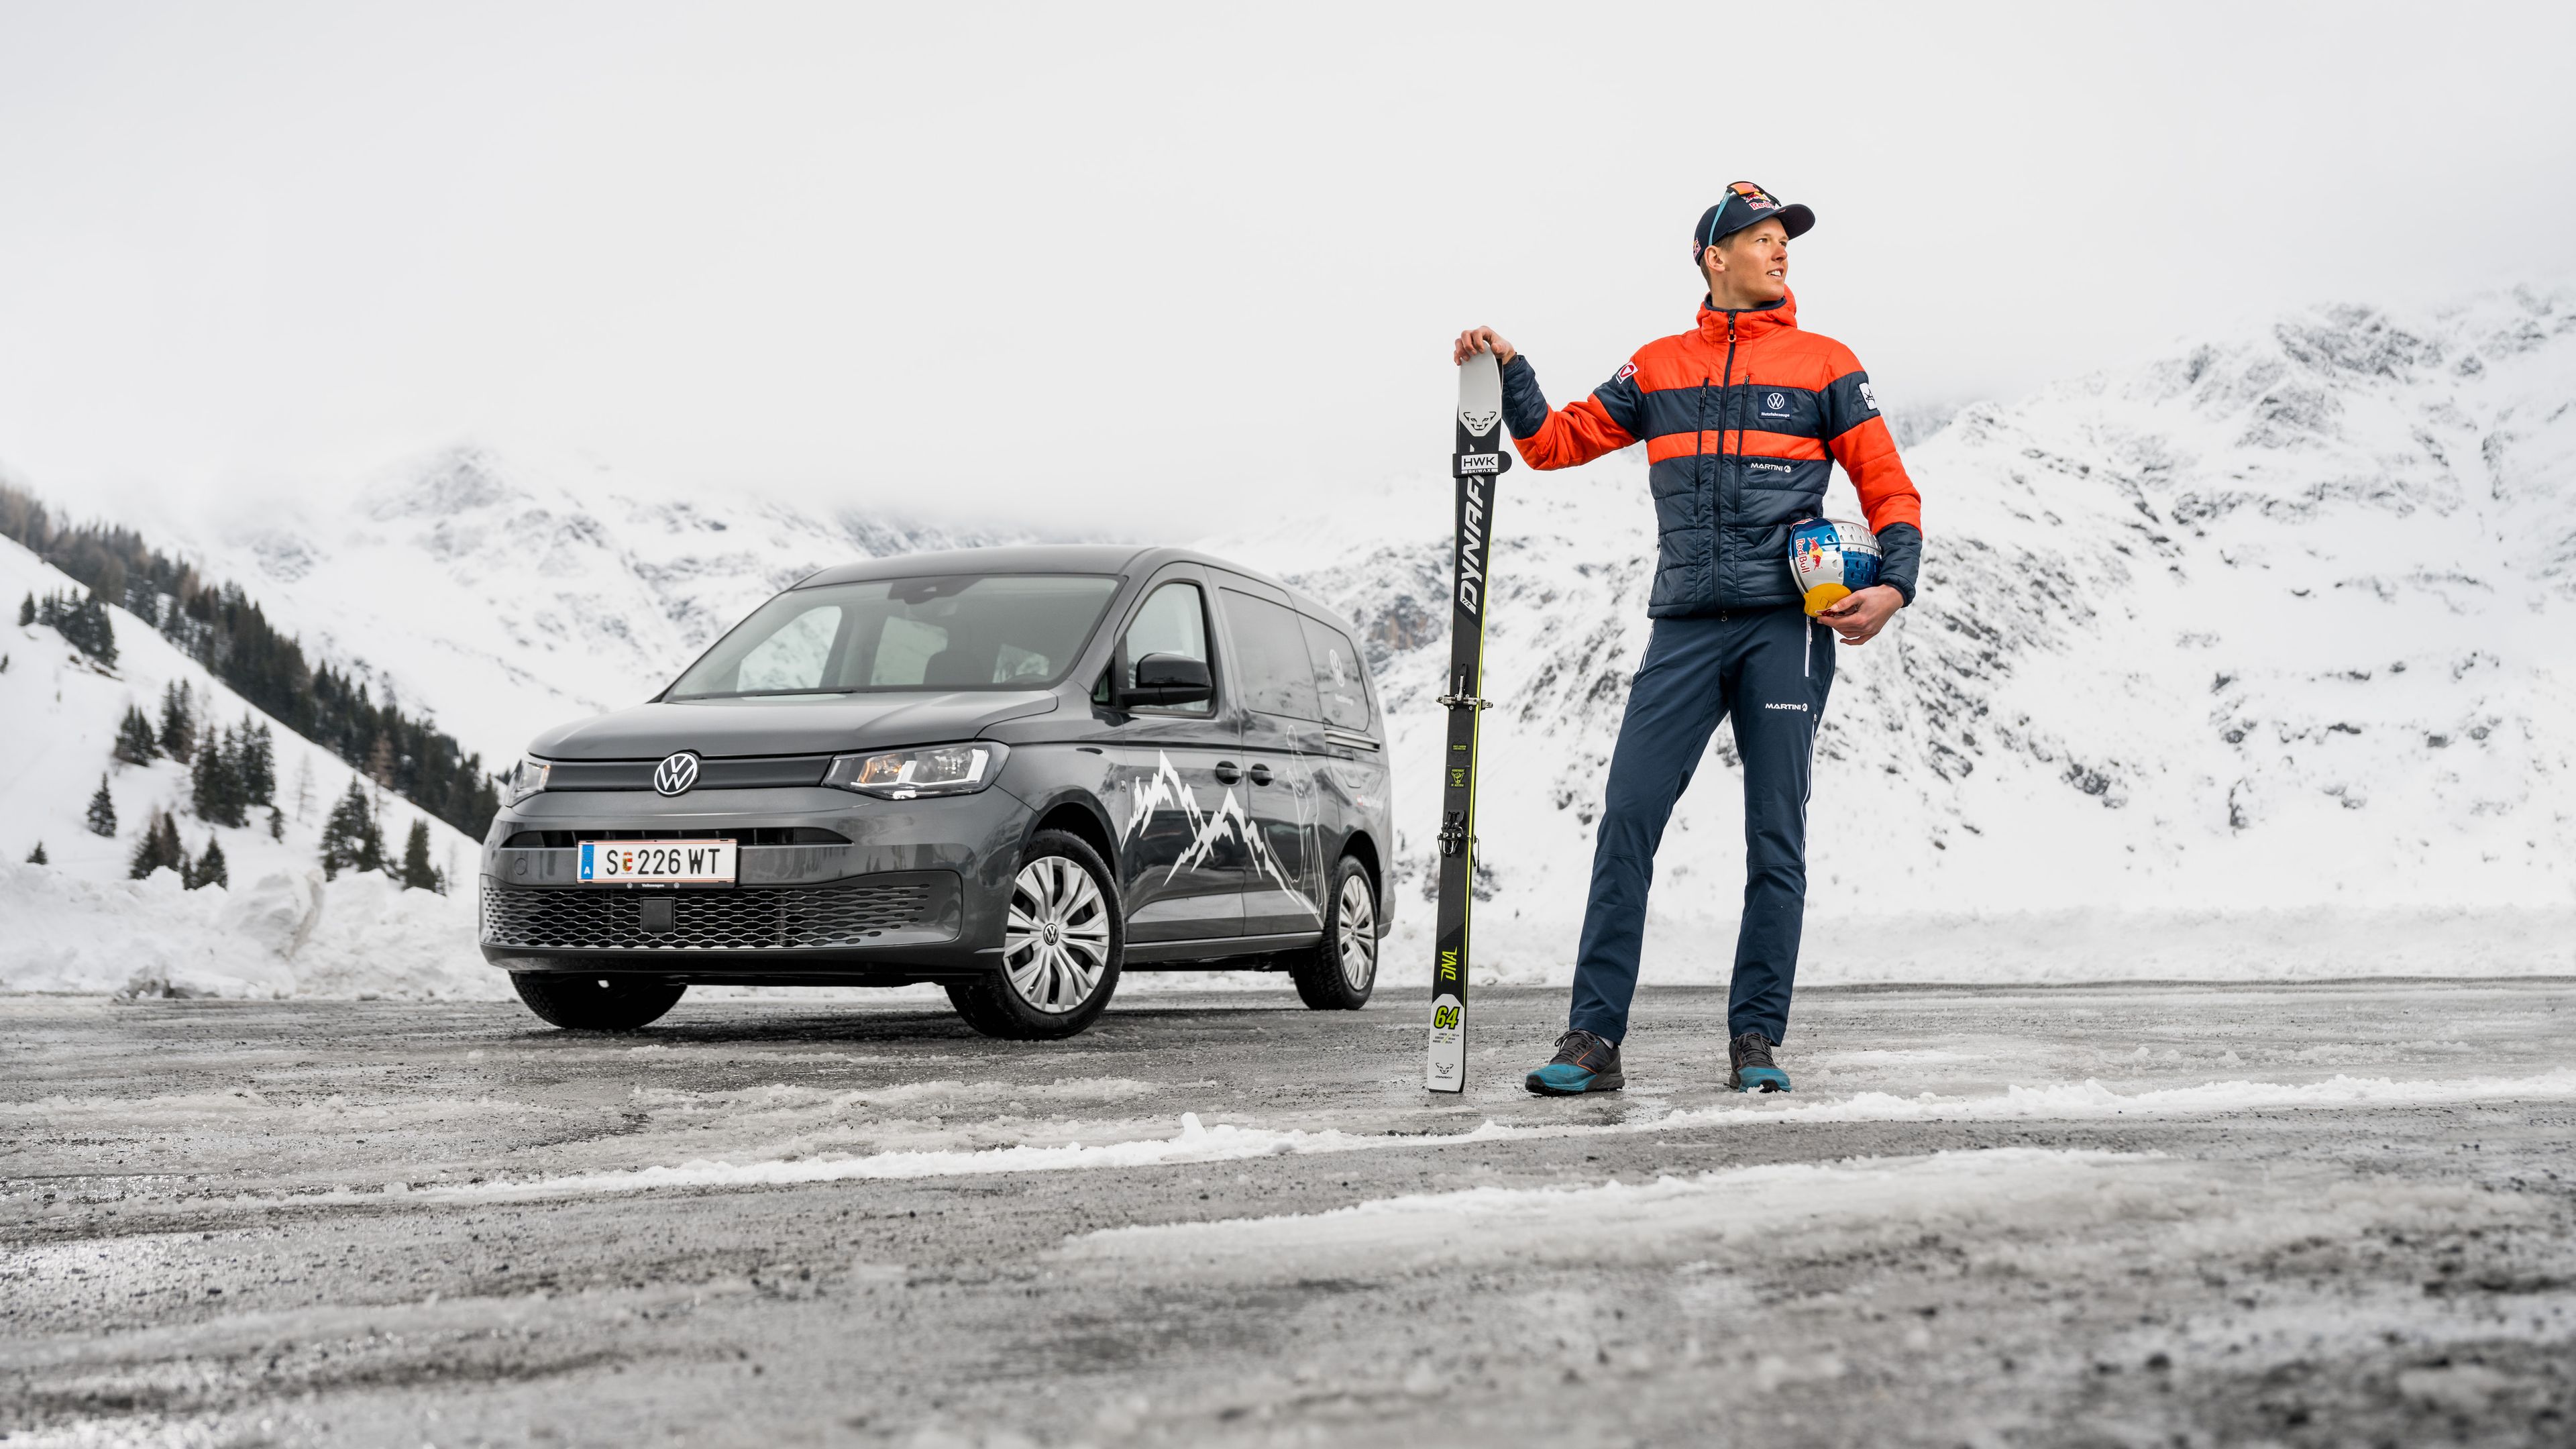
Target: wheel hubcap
1055	948
1358	934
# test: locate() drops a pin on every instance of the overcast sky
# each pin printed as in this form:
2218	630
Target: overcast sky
1087	263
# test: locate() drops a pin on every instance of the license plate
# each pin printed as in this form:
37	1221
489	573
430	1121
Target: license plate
657	862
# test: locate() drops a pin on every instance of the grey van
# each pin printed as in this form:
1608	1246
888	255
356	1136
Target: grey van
1016	772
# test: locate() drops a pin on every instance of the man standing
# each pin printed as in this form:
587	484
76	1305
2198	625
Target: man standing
1743	418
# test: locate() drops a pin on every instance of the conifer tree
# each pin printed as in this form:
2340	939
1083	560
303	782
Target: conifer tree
135	744
102	811
27	611
276	823
37	855
81	621
417	872
256	764
159	847
178	723
350	838
209	868
215	780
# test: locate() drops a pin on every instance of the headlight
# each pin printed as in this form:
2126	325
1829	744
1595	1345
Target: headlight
931	770
525	779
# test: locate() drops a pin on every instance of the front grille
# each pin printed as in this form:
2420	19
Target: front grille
730	920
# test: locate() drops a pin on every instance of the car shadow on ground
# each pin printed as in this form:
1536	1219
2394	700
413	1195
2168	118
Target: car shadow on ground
739	1023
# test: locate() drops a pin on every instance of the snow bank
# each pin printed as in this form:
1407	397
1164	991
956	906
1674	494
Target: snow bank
286	935
1197	1142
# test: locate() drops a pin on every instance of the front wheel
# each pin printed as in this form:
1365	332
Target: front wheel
596	1003
1342	969
1061	947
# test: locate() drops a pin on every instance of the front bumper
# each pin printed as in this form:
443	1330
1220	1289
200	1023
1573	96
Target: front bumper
918	893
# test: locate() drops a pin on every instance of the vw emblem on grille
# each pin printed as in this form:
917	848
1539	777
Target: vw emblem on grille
675	775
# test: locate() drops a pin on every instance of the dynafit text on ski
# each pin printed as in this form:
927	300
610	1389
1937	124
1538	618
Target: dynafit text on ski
1479	460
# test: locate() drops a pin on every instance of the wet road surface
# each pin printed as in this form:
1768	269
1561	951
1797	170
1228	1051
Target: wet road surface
2329	1214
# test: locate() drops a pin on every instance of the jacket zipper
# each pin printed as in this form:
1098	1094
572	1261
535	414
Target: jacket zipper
1717	511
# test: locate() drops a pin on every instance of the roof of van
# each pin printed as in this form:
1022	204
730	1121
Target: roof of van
1053	558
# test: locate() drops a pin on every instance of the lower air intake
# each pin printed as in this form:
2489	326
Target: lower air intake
735	920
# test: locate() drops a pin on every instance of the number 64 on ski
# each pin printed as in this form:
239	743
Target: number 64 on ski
1479	459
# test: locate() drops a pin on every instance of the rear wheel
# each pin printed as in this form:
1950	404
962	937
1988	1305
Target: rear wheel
596	1003
1341	970
1061	947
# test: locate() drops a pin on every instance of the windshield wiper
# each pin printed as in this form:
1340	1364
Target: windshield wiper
761	693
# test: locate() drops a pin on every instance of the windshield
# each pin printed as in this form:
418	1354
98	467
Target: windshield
961	631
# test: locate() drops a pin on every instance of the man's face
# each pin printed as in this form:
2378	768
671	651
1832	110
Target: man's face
1751	264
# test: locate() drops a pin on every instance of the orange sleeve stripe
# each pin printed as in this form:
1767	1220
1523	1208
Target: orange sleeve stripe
1573	435
1868	454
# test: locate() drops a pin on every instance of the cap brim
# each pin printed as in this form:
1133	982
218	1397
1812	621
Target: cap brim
1795	220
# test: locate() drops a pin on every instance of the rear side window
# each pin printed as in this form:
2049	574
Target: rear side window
1277	676
1339	681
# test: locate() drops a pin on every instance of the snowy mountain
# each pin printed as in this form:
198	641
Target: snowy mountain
2274	623
2245	661
507	596
77	923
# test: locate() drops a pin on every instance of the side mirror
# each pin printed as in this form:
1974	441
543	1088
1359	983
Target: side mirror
1169	679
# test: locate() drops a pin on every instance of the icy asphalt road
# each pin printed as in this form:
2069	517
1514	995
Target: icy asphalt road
2321	1215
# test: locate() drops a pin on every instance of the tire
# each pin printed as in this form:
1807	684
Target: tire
1341	970
1063	941
596	1003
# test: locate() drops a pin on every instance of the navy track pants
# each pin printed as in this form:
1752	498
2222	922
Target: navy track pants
1769	670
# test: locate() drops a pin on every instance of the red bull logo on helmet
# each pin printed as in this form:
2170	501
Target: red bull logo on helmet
1831	558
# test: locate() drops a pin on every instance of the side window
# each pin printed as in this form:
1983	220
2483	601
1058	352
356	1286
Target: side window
1173	621
796	657
1277	677
1341	681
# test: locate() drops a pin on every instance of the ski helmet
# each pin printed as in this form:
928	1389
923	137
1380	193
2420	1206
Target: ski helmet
1831	557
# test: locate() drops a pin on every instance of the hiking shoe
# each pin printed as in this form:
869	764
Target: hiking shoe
1754	1071
1584	1063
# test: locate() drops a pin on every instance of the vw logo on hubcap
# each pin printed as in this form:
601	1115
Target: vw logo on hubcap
676	774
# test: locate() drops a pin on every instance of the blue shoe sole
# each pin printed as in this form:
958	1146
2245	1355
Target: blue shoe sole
1762	1079
1597	1082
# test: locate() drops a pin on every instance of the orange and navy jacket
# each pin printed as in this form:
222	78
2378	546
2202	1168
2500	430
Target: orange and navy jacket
1743	420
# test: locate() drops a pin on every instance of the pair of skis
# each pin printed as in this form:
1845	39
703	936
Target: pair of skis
1478	461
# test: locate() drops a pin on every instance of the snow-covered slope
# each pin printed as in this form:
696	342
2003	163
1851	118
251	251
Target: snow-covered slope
78	924
506	596
2277	623
2246	661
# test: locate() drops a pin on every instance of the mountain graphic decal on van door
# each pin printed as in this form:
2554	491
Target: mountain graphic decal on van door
1208	829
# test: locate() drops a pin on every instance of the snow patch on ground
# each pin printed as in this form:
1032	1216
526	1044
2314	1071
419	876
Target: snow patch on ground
2092	1099
1623	1221
2022	1200
287	934
1197	1142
